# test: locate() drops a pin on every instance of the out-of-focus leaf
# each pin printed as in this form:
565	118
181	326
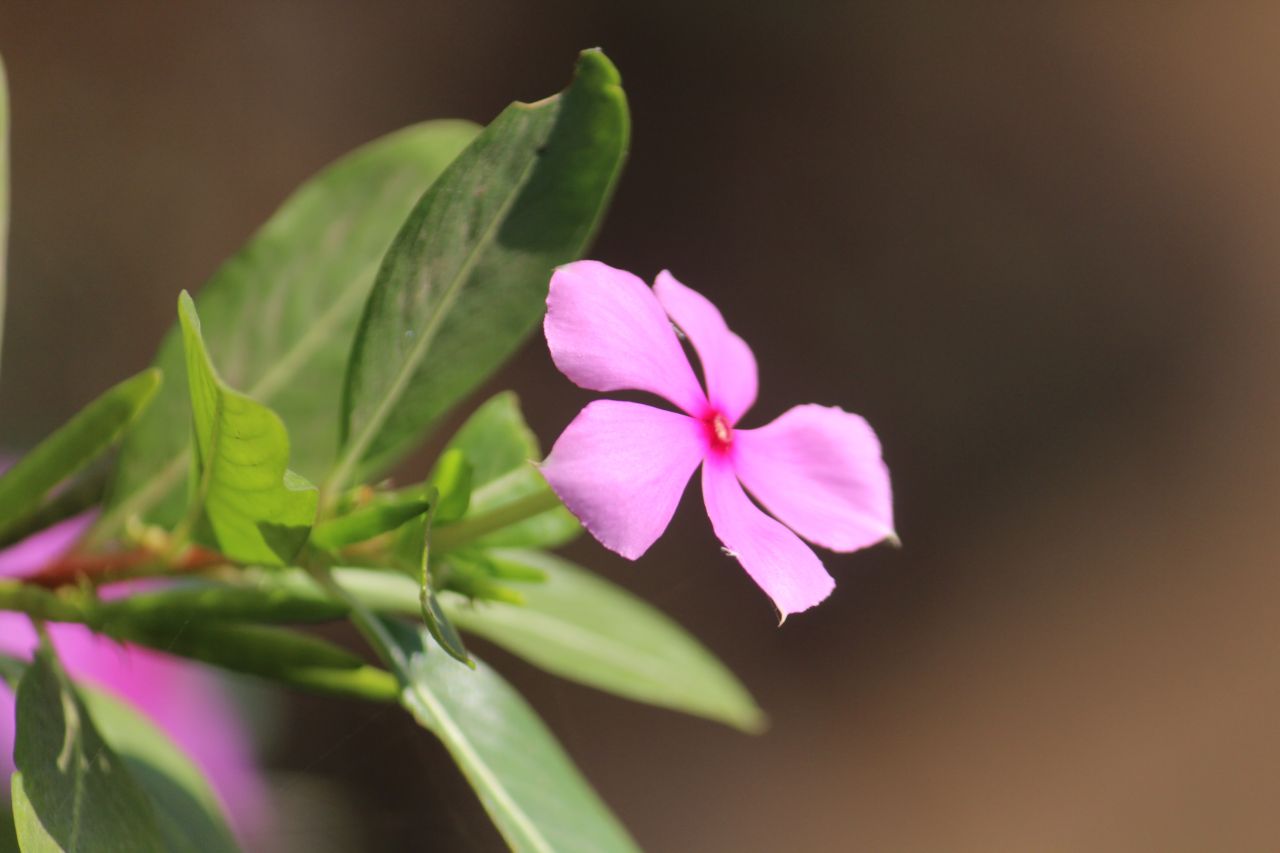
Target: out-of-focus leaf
74	445
259	511
503	450
276	654
75	793
584	628
576	625
202	601
452	478
535	795
4	195
280	314
365	523
466	277
187	811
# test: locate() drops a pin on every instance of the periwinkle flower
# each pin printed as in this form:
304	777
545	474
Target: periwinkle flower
621	467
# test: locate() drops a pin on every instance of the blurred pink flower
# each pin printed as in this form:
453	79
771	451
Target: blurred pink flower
622	467
188	704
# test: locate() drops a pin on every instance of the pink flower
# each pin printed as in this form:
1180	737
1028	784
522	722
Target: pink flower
187	703
622	467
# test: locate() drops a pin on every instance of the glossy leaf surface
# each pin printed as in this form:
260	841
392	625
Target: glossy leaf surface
466	278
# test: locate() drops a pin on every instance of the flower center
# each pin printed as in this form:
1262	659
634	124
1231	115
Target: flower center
720	432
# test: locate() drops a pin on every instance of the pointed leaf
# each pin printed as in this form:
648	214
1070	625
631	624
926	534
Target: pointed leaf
367	522
73	446
531	789
76	792
259	511
466	278
582	627
280	314
452	479
503	449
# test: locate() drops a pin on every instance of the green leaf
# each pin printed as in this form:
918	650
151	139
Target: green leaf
439	626
4	195
187	811
75	792
530	787
77	443
466	278
259	511
280	315
584	628
275	654
32	836
503	449
576	625
452	479
368	522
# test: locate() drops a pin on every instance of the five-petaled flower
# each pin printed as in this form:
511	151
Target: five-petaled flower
622	467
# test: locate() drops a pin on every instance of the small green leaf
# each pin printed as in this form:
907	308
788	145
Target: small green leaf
75	792
275	654
4	194
530	787
368	522
466	278
259	511
582	627
452	478
187	811
280	314
503	450
77	443
437	623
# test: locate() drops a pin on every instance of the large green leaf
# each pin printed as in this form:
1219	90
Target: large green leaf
575	625
77	443
187	811
280	315
531	789
4	195
582	627
466	278
75	793
502	450
259	511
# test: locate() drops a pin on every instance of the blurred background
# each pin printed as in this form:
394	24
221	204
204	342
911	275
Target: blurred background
1033	245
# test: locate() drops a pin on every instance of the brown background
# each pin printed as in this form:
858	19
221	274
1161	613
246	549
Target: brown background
1034	246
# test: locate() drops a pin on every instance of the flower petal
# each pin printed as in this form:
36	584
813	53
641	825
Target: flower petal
784	567
727	362
818	469
39	549
621	468
607	332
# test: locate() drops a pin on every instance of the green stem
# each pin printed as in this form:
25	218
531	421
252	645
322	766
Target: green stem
468	530
41	604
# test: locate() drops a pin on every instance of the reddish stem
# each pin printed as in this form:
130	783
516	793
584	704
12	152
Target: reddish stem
99	568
